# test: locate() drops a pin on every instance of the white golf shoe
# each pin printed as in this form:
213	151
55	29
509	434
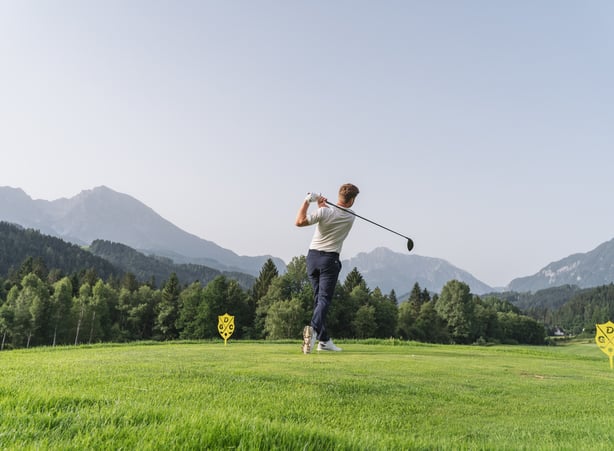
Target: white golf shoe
328	346
309	339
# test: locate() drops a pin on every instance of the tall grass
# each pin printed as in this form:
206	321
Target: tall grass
257	395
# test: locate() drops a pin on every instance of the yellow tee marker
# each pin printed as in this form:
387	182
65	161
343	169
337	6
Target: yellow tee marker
226	326
605	340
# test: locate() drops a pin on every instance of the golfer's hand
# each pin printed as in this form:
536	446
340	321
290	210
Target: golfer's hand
321	201
313	197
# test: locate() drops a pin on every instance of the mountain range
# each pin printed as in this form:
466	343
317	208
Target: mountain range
389	270
104	214
585	270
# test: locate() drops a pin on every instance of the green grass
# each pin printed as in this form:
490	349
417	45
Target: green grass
257	395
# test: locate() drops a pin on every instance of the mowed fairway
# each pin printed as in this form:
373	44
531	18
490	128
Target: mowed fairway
262	395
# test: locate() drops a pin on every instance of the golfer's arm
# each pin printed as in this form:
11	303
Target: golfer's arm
301	216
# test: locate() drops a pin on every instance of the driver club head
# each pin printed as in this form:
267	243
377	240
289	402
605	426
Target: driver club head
410	244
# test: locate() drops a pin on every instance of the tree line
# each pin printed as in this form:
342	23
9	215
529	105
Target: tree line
109	260
566	308
47	308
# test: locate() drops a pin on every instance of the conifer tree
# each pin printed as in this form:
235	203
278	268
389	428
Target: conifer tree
267	274
353	280
168	309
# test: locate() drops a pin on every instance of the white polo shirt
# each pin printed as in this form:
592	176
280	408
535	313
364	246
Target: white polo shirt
332	228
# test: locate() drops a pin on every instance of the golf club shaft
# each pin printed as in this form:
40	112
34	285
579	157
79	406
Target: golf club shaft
368	220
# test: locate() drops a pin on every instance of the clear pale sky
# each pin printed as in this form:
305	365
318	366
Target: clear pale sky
482	129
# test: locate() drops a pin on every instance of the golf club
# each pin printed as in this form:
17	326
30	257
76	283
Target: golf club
410	243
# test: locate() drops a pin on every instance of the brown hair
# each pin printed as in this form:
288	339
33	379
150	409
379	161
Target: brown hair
347	192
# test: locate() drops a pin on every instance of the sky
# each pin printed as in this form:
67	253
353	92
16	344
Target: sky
481	129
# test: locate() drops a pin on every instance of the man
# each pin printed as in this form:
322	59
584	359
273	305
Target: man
323	265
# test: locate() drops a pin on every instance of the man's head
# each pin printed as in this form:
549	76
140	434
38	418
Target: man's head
347	194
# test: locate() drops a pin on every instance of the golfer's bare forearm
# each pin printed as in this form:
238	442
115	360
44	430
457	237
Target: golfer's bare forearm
301	216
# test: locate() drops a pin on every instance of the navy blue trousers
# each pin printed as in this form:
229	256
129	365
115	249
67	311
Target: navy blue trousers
323	270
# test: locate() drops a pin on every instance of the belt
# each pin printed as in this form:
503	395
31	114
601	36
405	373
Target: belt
333	254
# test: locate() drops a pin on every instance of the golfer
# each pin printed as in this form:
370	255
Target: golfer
323	265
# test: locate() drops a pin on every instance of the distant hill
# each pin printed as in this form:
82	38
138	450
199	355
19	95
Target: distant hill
160	268
104	214
592	269
389	270
107	259
547	299
17	244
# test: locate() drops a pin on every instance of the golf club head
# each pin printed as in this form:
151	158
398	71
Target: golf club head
410	244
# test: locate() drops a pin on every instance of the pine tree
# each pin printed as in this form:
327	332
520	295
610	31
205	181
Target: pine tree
267	274
353	280
415	301
168	309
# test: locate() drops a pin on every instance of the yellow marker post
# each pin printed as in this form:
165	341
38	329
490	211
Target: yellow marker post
605	340
226	326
